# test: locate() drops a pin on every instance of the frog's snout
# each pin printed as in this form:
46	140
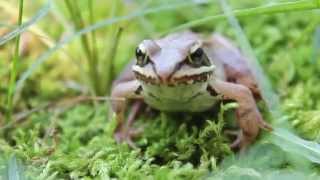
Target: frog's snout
164	74
164	77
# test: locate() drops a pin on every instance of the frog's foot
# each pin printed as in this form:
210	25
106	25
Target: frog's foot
236	143
242	140
126	135
250	122
264	125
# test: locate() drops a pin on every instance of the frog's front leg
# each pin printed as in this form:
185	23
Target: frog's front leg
119	95
248	116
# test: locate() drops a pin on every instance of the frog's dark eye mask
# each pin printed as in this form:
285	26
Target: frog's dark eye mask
189	63
196	59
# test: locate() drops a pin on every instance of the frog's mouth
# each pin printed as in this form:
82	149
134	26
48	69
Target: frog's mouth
179	78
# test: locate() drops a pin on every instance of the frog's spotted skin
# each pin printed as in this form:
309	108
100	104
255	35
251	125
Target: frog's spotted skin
183	72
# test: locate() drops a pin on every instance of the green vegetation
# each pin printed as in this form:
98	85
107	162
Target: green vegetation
74	49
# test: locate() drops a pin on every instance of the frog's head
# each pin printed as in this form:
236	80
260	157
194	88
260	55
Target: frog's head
173	60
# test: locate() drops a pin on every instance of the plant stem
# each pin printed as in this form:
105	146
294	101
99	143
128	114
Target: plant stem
14	67
110	72
94	50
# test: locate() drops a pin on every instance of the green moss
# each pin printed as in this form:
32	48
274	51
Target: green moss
80	143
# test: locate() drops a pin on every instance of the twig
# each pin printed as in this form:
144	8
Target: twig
61	105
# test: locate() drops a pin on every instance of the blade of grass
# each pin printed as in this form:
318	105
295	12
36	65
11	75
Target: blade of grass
109	73
5	25
14	169
94	50
40	14
78	20
43	37
316	46
14	66
113	35
94	47
309	29
302	5
145	24
287	140
272	100
42	58
60	17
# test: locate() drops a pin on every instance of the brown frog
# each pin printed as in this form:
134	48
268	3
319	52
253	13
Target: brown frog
183	72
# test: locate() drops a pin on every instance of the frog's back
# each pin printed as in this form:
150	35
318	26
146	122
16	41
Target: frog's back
231	64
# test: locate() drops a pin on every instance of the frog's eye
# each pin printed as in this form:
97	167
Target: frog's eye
141	55
198	58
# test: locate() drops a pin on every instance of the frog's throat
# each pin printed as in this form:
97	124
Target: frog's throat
201	74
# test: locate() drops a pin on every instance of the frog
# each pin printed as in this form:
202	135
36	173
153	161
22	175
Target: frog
188	72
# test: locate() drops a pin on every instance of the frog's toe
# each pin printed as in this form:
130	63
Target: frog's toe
264	125
237	142
241	142
126	136
231	132
131	143
134	133
122	138
119	136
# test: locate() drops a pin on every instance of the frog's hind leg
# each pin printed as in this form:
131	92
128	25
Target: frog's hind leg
235	64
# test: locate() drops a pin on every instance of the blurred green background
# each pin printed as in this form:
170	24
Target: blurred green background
57	131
